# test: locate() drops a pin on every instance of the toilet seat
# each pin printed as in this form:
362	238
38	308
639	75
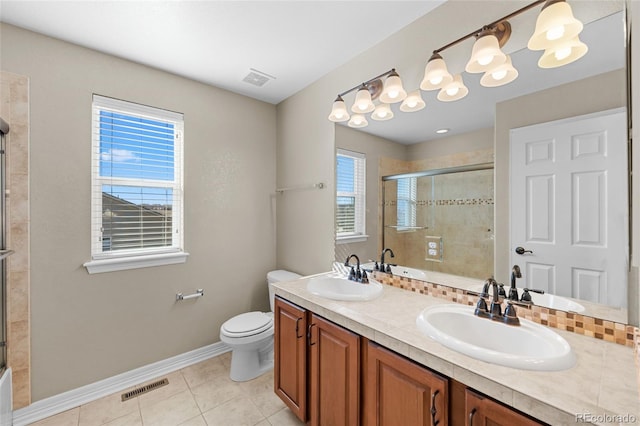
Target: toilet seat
247	324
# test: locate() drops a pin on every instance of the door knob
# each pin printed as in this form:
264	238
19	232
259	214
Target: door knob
521	250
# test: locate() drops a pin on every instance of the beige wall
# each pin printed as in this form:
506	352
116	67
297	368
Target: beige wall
599	93
477	140
375	148
88	327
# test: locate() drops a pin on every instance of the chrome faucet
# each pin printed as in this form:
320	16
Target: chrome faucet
382	267
356	274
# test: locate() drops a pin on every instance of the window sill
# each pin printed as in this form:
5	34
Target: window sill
134	262
352	239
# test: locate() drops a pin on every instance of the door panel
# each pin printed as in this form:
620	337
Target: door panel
569	205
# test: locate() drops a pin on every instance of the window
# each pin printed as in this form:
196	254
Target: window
350	196
406	203
136	191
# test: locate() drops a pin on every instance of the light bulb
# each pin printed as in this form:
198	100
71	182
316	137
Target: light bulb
485	60
436	80
339	115
393	94
499	75
362	107
412	103
563	53
452	91
555	33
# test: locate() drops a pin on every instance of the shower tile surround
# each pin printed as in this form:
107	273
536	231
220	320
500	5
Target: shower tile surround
14	108
456	204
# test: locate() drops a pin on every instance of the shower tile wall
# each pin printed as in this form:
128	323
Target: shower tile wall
457	207
14	108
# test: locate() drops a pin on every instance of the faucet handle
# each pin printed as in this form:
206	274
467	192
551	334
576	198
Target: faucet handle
481	308
510	317
364	279
501	292
352	274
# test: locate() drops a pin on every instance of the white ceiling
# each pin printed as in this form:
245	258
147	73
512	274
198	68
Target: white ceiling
298	42
219	42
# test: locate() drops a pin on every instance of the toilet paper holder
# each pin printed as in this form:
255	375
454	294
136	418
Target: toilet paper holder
199	293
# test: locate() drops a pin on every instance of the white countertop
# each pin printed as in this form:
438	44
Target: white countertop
603	385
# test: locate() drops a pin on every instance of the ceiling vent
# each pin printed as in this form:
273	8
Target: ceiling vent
257	78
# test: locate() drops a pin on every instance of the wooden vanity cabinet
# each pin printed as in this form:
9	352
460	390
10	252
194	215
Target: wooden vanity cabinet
290	356
334	374
316	367
483	411
398	391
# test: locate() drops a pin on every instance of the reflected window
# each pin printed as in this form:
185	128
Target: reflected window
406	203
350	195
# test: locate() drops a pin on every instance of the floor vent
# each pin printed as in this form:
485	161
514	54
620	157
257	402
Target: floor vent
144	389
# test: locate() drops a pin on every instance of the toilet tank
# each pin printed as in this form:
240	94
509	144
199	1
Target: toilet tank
277	276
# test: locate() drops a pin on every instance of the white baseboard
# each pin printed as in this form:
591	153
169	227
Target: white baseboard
76	397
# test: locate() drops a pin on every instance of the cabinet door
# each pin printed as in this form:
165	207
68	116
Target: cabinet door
482	411
333	374
399	392
290	356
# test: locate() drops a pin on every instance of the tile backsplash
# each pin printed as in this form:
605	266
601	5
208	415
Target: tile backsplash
609	331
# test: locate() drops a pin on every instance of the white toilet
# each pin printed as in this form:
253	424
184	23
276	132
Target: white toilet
250	336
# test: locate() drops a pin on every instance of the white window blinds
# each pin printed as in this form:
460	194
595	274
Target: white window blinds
406	203
350	194
136	179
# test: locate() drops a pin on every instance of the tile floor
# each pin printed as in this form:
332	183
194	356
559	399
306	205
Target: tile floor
199	395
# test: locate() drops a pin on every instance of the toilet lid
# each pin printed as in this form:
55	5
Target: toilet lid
247	324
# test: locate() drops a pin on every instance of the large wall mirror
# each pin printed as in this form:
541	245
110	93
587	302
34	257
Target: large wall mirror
436	214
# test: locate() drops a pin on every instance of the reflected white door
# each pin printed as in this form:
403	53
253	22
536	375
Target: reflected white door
568	205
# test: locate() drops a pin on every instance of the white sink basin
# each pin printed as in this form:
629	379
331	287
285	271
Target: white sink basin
547	300
338	287
529	346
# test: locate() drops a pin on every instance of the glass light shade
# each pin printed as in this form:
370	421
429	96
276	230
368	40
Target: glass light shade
485	55
413	102
454	90
382	112
436	74
357	121
500	75
339	111
555	23
393	91
563	53
363	103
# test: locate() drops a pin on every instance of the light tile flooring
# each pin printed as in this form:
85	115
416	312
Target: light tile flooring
198	395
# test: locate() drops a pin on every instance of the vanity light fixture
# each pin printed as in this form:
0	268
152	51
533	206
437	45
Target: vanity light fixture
357	121
436	74
556	33
393	91
500	75
454	90
413	102
486	54
339	111
363	103
382	112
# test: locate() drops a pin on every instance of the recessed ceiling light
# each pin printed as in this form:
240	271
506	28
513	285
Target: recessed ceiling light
441	131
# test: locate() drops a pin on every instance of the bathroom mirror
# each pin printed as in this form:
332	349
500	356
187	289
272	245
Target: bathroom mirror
605	36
